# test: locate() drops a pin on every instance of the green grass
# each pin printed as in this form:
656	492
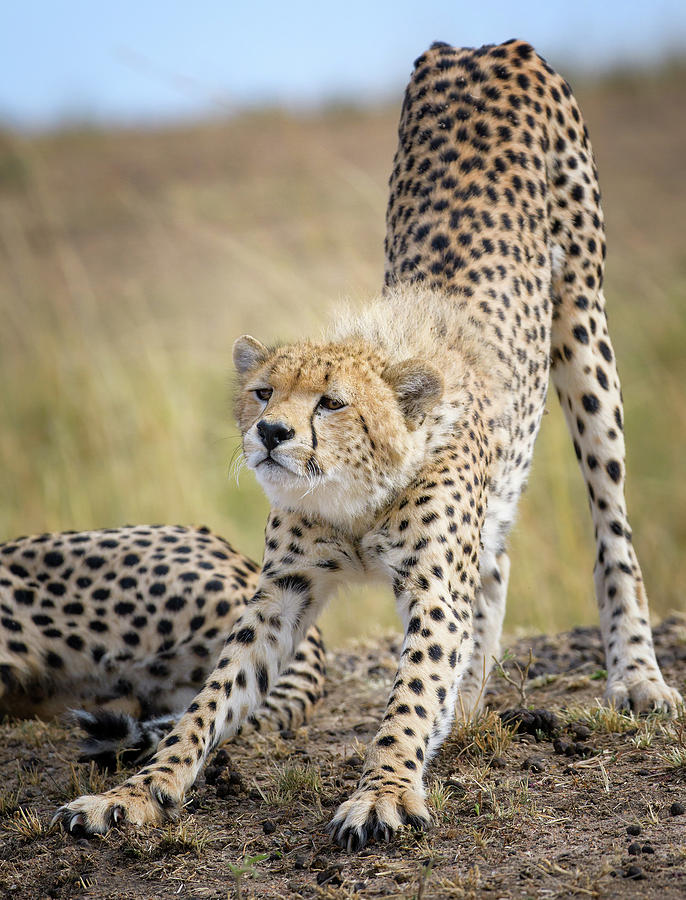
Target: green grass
130	261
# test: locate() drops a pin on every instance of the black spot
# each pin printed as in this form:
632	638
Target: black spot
246	635
614	470
73	609
416	686
580	334
53	559
124	609
605	350
262	678
591	403
75	642
56	588
174	604
54	660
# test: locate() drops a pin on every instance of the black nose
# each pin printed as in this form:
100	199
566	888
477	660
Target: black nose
273	433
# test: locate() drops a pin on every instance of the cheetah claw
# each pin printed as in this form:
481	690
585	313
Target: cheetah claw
643	696
97	814
367	817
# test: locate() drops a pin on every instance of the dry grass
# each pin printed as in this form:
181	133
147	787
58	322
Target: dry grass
130	261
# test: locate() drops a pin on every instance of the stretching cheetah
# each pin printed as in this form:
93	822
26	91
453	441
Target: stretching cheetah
397	446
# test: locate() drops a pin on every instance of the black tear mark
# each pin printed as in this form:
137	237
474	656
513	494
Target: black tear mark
314	433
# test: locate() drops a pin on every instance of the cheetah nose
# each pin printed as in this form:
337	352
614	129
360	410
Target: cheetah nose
273	433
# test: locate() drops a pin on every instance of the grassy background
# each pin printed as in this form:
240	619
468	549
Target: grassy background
131	260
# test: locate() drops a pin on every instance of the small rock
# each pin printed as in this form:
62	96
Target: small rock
634	849
331	876
561	747
534	764
677	809
635	872
497	763
268	826
634	830
648	848
300	861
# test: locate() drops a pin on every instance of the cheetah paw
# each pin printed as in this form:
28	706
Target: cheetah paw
643	696
130	802
373	814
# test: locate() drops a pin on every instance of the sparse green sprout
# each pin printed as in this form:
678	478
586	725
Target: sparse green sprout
245	868
598	675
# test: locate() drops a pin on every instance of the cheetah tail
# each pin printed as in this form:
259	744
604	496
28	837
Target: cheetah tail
118	738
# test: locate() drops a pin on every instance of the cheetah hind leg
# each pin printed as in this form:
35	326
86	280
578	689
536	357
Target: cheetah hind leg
589	390
115	738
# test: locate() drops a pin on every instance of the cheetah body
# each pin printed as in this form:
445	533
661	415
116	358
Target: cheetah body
129	621
399	444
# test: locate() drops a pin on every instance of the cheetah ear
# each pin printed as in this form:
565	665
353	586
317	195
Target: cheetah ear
418	387
248	354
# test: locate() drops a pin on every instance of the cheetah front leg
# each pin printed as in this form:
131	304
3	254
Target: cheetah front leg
435	579
297	577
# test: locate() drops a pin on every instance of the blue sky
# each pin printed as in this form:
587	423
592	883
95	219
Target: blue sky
149	60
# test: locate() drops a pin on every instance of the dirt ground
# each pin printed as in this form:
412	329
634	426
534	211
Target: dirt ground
576	801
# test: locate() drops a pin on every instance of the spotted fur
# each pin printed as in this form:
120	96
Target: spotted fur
129	621
397	447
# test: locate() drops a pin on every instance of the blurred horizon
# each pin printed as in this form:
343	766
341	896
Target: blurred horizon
131	64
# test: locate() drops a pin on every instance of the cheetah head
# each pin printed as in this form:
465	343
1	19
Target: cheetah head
333	429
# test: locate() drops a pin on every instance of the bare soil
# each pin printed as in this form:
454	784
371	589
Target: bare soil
576	802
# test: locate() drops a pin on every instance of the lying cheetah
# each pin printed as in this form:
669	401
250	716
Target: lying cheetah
397	447
129	621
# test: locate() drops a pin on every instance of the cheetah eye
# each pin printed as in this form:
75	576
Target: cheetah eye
263	394
331	403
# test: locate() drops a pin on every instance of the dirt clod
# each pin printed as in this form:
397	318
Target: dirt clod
677	809
635	872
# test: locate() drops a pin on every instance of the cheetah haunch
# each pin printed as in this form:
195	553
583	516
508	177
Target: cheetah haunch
398	446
